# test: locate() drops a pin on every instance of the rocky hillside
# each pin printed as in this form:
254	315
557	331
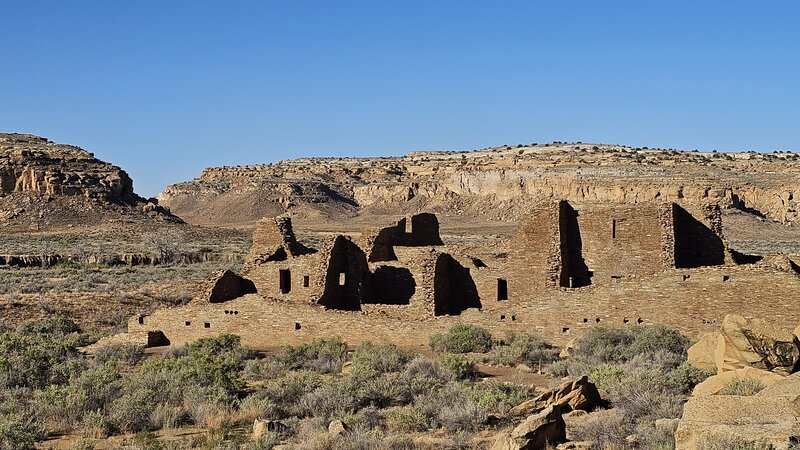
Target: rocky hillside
495	184
49	185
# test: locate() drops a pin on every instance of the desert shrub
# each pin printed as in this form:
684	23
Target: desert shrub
657	338
458	367
525	348
498	397
331	400
40	354
604	344
287	391
125	353
321	355
18	433
263	369
426	368
462	338
607	376
62	406
383	391
451	408
604	429
406	419
83	444
257	406
745	386
685	377
726	442
381	358
217	361
651	437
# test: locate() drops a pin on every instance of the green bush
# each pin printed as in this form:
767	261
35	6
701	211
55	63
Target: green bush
381	358
685	377
320	355
18	433
498	397
458	367
527	349
462	338
125	353
40	354
745	386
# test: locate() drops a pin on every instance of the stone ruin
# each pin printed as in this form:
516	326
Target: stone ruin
568	268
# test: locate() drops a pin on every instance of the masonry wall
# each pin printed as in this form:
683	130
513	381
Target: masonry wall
622	242
692	300
536	251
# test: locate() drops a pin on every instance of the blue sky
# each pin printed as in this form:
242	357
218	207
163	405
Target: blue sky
166	88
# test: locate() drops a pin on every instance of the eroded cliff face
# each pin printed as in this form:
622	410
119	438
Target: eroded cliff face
498	183
34	164
47	184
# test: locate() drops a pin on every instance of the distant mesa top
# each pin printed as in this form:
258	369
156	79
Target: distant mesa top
499	183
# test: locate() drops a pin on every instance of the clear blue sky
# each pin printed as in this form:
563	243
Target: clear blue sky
165	88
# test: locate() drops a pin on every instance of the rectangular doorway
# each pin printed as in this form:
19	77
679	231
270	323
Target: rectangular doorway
285	280
502	289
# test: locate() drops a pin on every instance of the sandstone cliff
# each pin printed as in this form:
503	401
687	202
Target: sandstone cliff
496	184
44	184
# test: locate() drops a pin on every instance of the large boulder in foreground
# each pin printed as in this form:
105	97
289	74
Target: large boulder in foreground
579	394
771	420
535	433
755	343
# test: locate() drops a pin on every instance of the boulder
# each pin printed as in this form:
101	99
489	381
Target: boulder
336	427
755	343
262	427
786	386
754	419
577	394
703	353
714	384
535	433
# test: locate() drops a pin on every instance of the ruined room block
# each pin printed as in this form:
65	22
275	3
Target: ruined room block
345	276
227	285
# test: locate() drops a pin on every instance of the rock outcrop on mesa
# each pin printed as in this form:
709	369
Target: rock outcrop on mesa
498	183
49	185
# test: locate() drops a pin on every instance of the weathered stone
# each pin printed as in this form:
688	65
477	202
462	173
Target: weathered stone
754	419
535	433
262	427
336	427
577	394
755	343
703	353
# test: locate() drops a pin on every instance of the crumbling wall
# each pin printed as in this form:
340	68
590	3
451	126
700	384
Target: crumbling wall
574	272
274	240
454	288
419	230
345	276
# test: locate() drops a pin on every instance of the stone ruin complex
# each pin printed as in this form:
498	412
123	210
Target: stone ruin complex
568	268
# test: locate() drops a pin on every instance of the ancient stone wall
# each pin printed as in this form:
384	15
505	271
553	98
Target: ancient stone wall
427	289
